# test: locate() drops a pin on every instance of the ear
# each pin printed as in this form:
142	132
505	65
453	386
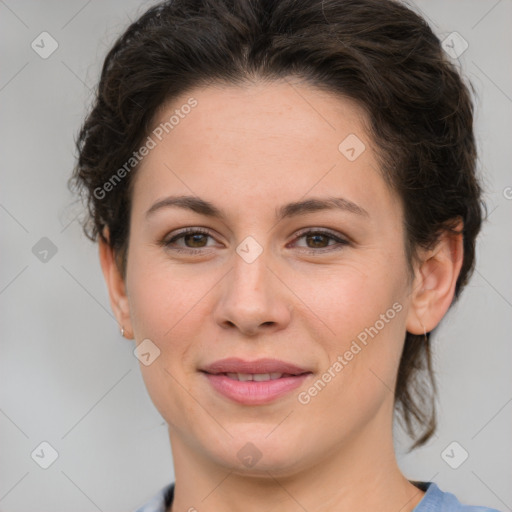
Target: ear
436	275
116	286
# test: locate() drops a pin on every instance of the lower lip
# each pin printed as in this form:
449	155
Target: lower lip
252	392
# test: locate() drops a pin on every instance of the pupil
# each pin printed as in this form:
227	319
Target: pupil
317	240
195	238
317	237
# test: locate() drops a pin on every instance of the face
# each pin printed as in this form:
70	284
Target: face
298	257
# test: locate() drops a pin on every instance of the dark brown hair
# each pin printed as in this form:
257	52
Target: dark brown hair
376	52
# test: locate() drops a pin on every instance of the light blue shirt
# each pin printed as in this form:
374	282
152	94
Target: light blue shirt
434	500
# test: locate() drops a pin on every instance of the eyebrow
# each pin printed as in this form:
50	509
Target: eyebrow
202	207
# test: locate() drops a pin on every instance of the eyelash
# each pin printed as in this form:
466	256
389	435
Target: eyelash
167	243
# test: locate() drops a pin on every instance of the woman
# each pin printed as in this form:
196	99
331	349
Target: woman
285	199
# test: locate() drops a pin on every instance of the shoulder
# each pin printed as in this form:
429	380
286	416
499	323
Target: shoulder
434	500
437	500
160	501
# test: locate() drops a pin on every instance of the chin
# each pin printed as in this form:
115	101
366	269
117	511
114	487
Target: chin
254	452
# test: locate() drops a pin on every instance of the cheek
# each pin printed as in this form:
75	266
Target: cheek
164	308
346	299
160	297
361	312
360	374
168	307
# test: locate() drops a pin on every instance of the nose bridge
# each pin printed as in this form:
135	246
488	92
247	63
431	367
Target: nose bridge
249	279
250	298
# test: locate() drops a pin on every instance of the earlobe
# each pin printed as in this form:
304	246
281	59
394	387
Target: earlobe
435	279
115	285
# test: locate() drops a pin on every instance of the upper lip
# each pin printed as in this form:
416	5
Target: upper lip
236	365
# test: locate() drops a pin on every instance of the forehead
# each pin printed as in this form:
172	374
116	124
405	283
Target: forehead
262	140
275	113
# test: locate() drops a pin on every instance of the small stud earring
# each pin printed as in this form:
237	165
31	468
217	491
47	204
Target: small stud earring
122	332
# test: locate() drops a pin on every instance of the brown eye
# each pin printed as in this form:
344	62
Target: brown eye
320	241
196	240
317	240
188	240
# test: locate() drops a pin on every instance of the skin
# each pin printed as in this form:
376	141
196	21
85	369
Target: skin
249	150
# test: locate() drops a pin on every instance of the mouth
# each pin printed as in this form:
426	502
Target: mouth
254	382
235	365
257	377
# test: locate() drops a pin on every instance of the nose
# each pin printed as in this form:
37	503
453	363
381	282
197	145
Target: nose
253	300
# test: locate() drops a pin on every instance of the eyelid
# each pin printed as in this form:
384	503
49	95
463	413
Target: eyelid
325	231
337	237
186	231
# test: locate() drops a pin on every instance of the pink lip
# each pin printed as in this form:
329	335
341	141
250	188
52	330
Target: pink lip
236	365
253	392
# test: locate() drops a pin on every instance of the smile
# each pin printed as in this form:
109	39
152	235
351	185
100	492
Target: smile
254	389
258	377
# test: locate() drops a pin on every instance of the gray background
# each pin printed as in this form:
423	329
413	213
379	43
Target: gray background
67	376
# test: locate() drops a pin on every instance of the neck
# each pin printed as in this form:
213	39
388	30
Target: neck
361	474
